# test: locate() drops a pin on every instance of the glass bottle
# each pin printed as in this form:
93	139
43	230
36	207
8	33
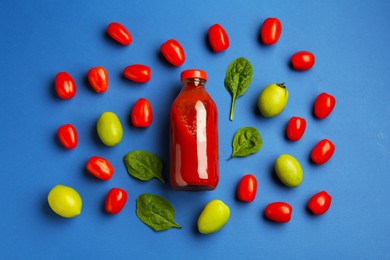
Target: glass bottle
194	135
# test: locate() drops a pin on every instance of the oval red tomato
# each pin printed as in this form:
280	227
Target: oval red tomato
115	200
279	212
319	203
119	33
324	105
68	136
138	73
173	52
100	168
218	38
247	188
65	85
270	31
303	60
295	128
323	151
98	78
142	114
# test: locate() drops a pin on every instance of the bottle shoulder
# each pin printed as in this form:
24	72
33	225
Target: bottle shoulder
192	96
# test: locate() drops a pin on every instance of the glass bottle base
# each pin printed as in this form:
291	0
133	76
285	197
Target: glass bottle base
193	188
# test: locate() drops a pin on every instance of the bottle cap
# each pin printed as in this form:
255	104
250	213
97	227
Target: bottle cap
193	73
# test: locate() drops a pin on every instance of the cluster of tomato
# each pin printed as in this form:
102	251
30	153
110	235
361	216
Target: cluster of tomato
142	114
322	151
320	202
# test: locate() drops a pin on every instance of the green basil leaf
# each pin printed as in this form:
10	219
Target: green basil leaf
246	141
143	165
237	80
156	212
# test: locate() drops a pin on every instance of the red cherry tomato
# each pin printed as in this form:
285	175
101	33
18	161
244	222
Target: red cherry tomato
138	73
65	85
173	52
324	105
68	136
247	188
218	38
303	60
119	33
98	78
100	168
323	151
270	31
278	212
319	203
295	128
115	200
142	114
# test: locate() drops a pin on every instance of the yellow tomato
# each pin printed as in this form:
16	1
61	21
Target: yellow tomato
65	201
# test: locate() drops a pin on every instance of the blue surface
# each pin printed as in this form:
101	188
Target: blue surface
351	42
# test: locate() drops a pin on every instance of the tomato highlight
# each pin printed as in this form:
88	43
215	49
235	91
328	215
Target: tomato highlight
115	200
98	78
322	151
270	31
324	105
65	85
319	203
302	60
119	33
142	114
173	52
138	73
100	168
278	212
247	188
218	38
295	128
68	136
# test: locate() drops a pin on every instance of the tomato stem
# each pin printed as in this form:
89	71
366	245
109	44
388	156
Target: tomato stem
282	85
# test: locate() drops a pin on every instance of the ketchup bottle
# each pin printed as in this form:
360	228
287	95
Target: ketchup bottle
194	135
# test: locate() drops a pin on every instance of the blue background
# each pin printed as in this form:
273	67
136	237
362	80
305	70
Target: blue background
351	42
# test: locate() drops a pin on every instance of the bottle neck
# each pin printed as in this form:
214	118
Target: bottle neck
193	83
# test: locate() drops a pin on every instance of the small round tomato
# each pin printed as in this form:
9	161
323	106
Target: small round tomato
319	203
115	200
247	188
272	99
138	73
324	105
323	151
119	33
295	128
270	31
65	85
142	114
65	201
98	78
100	168
279	212
302	60
109	129
213	217
289	170
218	38
68	136
173	52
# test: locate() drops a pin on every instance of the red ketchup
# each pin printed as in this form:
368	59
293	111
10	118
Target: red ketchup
194	135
